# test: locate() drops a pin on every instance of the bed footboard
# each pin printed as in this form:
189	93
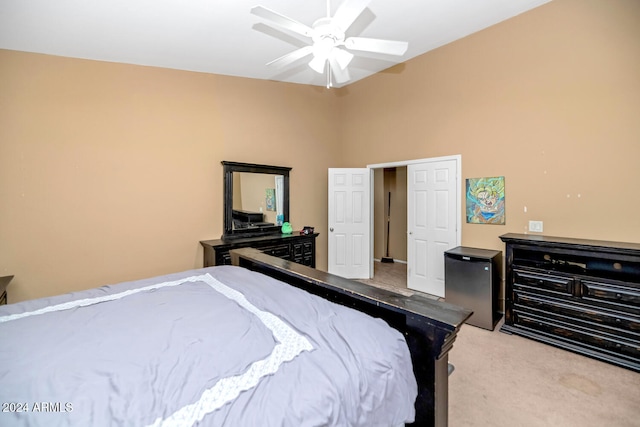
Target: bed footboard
429	326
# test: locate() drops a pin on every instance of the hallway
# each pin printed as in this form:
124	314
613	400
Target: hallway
392	276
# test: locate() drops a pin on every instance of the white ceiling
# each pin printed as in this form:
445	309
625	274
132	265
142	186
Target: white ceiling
223	37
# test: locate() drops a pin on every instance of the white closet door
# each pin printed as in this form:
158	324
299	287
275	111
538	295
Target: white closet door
432	223
349	223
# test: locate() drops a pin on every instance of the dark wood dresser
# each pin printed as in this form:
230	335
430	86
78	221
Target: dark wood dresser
4	282
300	248
576	294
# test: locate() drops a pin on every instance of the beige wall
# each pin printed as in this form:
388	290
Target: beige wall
111	172
549	99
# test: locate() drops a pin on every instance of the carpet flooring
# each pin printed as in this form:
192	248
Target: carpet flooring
503	380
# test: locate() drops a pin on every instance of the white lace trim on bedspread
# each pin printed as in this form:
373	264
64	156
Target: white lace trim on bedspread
290	344
225	390
95	300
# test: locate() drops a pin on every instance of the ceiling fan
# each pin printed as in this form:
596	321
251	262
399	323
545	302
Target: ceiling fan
330	46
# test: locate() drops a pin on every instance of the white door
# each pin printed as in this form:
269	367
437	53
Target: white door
432	222
349	223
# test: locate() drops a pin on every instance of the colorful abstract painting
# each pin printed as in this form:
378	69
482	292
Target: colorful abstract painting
271	199
485	200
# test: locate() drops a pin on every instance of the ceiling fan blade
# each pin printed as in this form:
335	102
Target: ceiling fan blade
387	47
291	57
341	75
348	12
282	21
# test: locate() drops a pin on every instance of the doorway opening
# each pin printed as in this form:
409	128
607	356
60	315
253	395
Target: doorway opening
390	228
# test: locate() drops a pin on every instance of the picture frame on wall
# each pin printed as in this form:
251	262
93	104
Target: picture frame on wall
485	200
270	199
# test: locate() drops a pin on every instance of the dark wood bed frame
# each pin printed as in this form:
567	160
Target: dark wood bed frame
429	326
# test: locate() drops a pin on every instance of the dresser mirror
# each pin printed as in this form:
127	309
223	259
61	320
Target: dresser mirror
256	199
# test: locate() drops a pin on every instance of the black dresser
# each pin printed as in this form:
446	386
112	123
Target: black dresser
4	282
300	248
576	294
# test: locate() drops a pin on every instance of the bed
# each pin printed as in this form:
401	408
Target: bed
243	345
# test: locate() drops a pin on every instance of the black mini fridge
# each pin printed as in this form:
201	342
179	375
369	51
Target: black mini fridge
472	280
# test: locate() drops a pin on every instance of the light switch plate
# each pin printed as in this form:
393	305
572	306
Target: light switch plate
535	226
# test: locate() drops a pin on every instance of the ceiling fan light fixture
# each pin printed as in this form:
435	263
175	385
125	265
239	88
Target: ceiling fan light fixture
317	63
342	57
329	45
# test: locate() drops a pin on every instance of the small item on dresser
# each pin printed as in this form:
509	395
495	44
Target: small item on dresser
286	228
307	230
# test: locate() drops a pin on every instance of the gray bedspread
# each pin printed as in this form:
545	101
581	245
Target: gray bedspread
220	346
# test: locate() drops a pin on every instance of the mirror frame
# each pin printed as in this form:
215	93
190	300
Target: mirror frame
228	169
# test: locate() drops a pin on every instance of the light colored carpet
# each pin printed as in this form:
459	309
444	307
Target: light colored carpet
503	380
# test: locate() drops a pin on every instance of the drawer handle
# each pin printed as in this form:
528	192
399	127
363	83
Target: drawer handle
618	296
618	320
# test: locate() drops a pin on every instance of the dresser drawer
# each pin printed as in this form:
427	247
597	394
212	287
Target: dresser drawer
298	250
281	251
550	282
597	318
579	335
292	247
607	292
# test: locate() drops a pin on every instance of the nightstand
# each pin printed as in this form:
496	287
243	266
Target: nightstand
4	282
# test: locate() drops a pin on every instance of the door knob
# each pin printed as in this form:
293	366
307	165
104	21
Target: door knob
331	229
